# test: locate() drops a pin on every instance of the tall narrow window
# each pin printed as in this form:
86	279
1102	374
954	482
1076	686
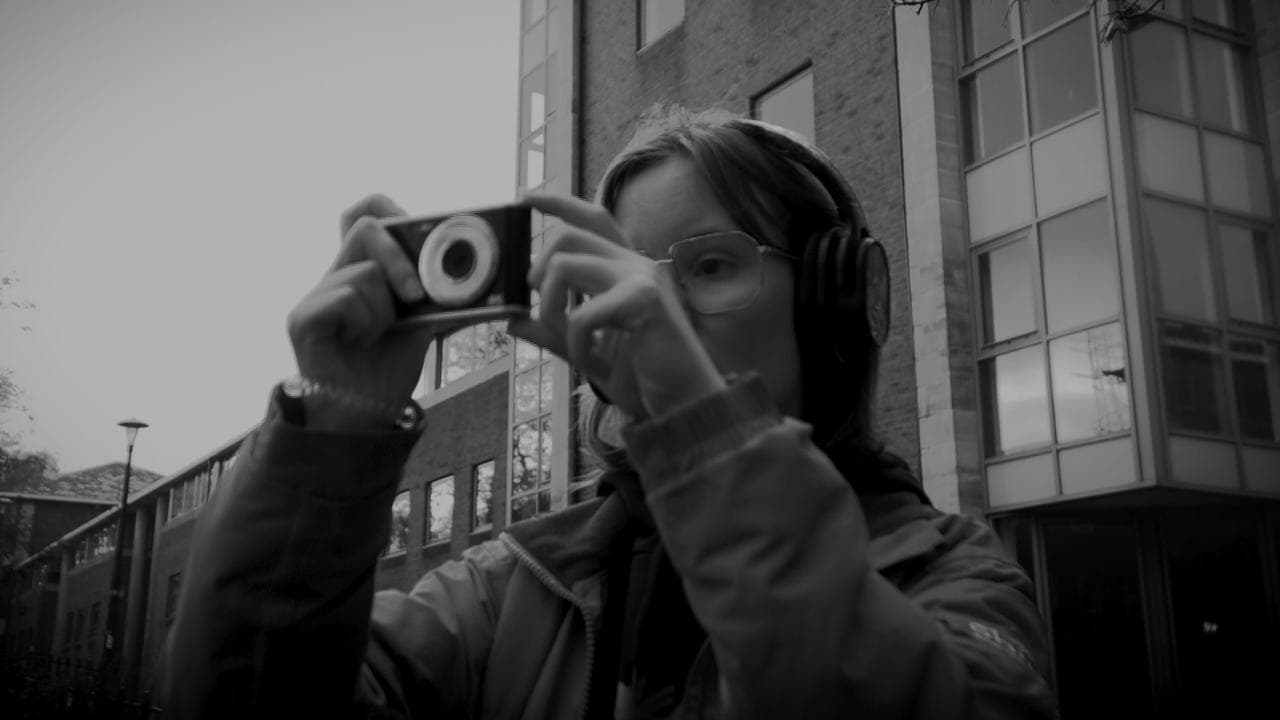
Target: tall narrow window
657	18
400	512
790	104
439	524
482	495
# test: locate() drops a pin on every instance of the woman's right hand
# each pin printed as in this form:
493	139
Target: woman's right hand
339	330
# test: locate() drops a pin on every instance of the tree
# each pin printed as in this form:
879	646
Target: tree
17	464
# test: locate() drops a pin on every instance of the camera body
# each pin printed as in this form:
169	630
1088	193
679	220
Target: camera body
473	264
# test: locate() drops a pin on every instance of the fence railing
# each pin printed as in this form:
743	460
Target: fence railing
44	686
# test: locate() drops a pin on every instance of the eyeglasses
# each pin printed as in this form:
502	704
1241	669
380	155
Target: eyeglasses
720	272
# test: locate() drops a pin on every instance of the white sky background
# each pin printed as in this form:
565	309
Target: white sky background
171	175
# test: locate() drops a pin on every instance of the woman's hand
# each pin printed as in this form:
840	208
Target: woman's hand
630	335
339	329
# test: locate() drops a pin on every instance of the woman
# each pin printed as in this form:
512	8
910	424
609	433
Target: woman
742	562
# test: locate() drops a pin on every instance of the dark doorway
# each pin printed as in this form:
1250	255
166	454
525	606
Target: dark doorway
1099	627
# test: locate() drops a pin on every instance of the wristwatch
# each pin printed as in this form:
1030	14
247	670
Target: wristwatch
293	390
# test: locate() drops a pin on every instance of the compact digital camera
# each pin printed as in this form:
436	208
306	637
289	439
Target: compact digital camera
473	264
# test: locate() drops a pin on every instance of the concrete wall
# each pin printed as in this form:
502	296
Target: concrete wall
728	52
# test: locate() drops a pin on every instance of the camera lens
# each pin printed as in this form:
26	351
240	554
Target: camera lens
459	259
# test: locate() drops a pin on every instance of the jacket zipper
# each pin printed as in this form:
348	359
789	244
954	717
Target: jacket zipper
556	587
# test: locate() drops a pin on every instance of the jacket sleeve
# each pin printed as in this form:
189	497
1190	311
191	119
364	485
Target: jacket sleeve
771	544
277	598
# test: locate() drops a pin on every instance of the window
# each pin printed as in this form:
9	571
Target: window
657	18
1208	222
470	349
172	592
398	541
189	494
439	524
532	394
1052	355
790	104
482	495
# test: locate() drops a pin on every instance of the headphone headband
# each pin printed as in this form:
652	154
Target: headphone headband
797	148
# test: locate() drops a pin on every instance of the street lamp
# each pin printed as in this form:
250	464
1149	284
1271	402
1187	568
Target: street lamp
131	428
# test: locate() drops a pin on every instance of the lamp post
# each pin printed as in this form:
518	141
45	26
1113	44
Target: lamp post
131	428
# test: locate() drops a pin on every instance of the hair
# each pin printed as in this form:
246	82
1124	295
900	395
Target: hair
782	204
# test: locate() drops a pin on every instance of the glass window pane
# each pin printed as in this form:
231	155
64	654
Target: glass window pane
1015	407
1070	166
1254	374
1060	75
1090	383
482	494
534	10
992	105
459	354
534	168
790	105
524	460
525	395
1179	237
526	354
657	17
1237	174
533	47
399	540
547	389
1040	14
999	196
1246	260
440	509
523	508
1008	298
1223	89
1161	68
546	440
1079	261
1169	156
533	93
1218	12
1194	378
493	341
986	26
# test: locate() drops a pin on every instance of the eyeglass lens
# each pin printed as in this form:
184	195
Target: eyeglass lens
718	272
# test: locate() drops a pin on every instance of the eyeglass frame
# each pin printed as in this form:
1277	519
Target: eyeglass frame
761	248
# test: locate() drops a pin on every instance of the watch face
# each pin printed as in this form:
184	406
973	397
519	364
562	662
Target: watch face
876	277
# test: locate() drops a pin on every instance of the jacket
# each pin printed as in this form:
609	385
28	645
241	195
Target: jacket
815	602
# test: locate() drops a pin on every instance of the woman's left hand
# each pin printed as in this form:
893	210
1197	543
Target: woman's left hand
630	335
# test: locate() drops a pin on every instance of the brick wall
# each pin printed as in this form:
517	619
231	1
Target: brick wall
462	431
729	51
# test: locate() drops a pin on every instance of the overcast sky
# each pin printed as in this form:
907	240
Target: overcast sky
171	174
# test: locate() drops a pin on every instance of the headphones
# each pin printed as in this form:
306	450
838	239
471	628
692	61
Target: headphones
843	297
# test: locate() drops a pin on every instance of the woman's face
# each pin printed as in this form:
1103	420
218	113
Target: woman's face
670	202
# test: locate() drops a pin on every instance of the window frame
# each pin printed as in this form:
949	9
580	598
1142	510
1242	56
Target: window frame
641	43
1030	231
475	488
427	539
1224	327
788	79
